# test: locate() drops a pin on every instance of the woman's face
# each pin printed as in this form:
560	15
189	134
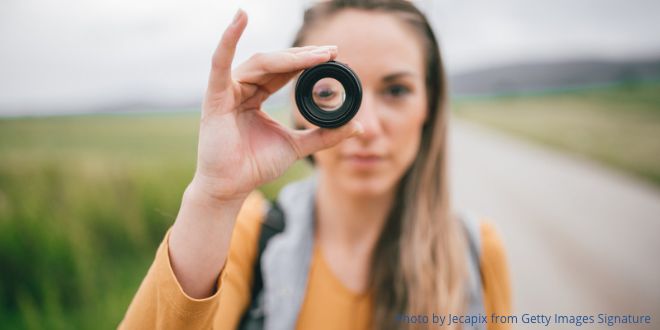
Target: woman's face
389	61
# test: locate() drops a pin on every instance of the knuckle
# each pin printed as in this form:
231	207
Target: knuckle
297	150
325	138
258	57
217	62
291	58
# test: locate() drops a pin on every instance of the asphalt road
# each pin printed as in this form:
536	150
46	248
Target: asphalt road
581	238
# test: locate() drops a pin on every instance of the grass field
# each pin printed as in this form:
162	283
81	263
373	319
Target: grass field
618	125
85	200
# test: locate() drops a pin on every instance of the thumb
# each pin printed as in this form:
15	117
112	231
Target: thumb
312	140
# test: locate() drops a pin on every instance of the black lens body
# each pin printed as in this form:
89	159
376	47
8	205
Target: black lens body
352	89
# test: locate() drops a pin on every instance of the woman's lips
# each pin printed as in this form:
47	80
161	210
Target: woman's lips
364	161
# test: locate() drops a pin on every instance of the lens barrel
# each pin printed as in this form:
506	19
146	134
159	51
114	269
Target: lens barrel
311	111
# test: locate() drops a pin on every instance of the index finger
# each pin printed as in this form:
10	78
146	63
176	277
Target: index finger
273	70
223	56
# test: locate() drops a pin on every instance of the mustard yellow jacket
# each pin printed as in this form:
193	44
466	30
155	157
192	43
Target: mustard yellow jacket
160	302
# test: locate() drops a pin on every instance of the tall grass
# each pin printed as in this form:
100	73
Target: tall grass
618	126
84	202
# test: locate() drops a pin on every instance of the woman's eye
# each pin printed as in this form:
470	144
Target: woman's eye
325	93
397	91
327	97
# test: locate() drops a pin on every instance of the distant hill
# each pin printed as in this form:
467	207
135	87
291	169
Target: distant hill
519	78
534	77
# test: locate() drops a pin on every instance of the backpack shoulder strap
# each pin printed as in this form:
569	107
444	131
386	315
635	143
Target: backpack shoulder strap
272	224
472	229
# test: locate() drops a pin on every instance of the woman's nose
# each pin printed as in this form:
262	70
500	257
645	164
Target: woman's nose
367	115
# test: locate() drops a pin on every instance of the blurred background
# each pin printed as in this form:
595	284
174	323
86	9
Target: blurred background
555	137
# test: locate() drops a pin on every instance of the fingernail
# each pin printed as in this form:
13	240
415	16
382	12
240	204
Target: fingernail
331	49
320	51
236	16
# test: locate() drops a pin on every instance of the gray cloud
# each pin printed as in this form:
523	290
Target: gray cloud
77	54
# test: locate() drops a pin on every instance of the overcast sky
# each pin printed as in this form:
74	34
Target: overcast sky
85	54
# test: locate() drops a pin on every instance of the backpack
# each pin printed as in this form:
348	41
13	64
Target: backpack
274	223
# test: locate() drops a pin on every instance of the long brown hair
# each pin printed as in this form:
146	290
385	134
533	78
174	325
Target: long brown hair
419	262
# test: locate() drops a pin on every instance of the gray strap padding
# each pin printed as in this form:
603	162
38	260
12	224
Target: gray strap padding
286	260
475	305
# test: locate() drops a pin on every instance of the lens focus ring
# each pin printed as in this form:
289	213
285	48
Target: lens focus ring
311	111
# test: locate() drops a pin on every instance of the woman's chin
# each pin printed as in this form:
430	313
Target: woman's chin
364	187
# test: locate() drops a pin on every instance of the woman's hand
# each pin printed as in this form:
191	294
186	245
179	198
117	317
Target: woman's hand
240	146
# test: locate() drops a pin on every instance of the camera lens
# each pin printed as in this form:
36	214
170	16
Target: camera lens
329	94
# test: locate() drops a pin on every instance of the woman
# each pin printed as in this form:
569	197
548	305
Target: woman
379	245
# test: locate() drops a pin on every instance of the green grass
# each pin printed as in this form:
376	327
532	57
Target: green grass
84	202
618	125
